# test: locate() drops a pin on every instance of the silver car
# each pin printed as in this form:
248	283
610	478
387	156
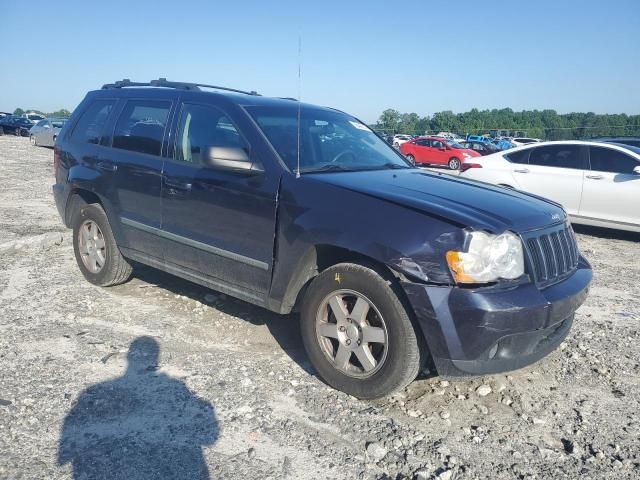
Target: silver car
44	132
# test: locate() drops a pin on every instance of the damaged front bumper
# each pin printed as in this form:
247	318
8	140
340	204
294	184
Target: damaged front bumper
494	329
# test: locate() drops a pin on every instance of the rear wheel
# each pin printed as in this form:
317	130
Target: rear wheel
358	334
411	159
95	248
454	163
17	132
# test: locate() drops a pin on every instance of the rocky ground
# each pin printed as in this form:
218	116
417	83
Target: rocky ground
232	388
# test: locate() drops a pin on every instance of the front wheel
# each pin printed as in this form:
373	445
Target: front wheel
358	334
95	248
454	163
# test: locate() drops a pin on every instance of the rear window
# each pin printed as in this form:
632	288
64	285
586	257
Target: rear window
520	156
141	125
91	122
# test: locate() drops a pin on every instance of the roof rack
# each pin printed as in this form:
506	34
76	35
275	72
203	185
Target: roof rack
163	82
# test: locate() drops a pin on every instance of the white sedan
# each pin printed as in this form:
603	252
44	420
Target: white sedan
399	139
596	183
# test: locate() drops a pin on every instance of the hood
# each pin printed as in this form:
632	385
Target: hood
464	202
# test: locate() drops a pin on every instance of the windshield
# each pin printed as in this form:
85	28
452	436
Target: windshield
329	140
453	144
57	123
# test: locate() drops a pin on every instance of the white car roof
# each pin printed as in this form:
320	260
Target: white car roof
615	146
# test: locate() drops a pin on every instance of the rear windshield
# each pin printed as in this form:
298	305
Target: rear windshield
329	140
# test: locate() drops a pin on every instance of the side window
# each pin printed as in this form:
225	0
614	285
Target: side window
141	125
521	156
203	126
609	160
422	143
436	144
89	126
561	156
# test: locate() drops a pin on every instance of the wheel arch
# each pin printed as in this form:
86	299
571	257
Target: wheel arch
320	257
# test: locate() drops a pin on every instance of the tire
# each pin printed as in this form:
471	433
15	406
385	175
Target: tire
396	145
454	163
1	131
17	132
114	269
411	159
33	140
397	352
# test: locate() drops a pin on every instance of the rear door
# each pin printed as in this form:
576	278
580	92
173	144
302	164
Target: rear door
555	172
611	188
421	150
133	163
219	223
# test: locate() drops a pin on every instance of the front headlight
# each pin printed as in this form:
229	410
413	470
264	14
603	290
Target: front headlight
466	155
488	259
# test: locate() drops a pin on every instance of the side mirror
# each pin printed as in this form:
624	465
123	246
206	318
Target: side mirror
231	159
636	170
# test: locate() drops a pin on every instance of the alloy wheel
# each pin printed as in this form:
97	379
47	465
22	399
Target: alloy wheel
352	333
92	246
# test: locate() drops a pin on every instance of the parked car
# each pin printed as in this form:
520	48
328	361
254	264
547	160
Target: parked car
503	143
633	141
482	148
400	139
18	126
596	183
436	151
45	132
389	266
34	117
477	138
519	141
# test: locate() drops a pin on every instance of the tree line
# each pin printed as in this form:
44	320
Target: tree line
543	124
62	113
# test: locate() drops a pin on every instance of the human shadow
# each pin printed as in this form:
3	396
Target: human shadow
141	425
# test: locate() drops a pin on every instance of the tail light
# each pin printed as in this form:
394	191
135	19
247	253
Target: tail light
466	166
56	159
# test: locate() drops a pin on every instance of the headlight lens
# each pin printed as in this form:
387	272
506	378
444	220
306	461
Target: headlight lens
490	258
466	155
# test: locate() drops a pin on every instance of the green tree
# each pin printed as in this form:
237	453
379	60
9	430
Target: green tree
389	120
64	113
19	112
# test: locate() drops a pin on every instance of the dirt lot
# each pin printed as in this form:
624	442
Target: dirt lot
232	391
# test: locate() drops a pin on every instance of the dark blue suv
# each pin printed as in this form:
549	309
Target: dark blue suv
292	206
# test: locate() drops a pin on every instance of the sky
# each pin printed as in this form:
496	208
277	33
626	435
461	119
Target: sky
357	56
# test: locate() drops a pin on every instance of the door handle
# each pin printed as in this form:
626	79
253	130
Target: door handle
521	170
107	166
173	184
594	177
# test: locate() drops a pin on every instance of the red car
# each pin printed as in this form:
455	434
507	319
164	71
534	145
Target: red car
436	151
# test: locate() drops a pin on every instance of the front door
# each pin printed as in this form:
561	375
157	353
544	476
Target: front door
218	223
554	172
611	188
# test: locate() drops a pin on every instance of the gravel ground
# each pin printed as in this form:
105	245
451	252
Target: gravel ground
83	393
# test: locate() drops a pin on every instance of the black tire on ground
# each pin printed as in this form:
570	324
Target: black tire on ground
411	159
17	132
33	140
454	163
116	268
1	131
406	349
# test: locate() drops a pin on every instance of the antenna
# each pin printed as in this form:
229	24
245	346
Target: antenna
299	99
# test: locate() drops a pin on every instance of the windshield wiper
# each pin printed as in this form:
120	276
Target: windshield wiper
330	167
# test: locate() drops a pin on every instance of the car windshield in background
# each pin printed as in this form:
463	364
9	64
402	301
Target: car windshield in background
329	141
454	144
58	123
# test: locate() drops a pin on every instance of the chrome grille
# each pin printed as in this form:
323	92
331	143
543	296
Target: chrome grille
553	254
